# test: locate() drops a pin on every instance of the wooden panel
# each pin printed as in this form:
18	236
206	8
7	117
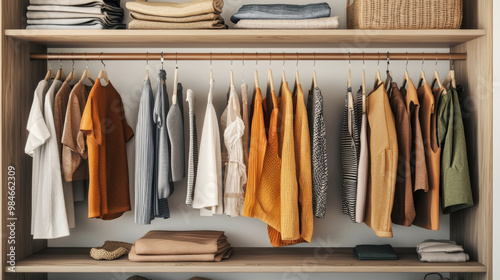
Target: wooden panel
247	38
473	227
18	80
310	260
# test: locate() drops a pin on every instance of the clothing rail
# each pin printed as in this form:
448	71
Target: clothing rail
250	56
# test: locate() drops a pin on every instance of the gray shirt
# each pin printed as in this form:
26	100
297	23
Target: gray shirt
144	156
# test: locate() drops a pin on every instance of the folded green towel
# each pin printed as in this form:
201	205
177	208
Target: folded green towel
375	252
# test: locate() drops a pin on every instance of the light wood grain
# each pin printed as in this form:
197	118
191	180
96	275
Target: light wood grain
473	227
247	38
18	80
310	260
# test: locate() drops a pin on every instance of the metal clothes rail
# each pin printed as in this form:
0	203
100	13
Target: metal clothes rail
250	56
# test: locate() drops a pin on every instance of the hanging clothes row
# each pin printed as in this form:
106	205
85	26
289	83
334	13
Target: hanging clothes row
402	150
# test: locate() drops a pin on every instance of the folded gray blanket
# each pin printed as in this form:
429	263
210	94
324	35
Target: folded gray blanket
282	11
77	26
443	257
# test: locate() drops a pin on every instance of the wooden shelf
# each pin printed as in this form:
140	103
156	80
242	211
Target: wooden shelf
247	260
247	38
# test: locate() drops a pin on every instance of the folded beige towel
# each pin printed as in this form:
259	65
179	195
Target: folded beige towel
447	248
159	242
433	242
443	257
317	23
204	17
168	9
146	24
224	254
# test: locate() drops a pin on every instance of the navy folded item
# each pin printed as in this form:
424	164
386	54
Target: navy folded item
282	11
375	252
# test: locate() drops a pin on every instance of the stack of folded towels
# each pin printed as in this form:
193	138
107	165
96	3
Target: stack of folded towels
283	16
75	14
197	14
181	246
441	251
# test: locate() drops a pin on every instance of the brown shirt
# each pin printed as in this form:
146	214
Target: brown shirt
60	106
107	131
417	160
403	211
74	150
427	203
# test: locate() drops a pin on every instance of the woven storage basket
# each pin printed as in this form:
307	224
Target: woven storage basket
404	14
110	250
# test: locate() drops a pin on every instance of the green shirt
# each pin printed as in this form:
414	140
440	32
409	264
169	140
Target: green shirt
456	191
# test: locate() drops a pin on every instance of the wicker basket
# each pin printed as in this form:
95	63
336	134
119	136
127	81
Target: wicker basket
404	14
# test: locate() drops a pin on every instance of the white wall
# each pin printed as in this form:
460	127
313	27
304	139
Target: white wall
335	230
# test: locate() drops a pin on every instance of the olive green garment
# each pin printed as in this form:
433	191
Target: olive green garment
456	191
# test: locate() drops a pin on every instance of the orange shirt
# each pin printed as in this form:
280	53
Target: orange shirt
104	123
258	143
302	149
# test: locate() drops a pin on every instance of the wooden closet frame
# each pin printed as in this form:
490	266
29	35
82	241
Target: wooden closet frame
20	75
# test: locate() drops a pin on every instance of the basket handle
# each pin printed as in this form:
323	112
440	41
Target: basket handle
435	273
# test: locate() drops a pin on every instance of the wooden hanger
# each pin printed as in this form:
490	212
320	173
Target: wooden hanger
49	75
315	80
231	77
450	78
147	67
422	79
363	87
103	74
378	77
283	76
256	79
60	73
297	80
270	80
436	80
71	76
174	93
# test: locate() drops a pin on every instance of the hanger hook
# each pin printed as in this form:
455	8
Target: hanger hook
86	62
176	61
60	61
436	60
363	60
256	59
349	60
297	62
269	60
388	61
162	60
423	60
73	62
147	60
231	61
378	61
452	63
283	61
406	61
101	60
314	61
243	69
211	65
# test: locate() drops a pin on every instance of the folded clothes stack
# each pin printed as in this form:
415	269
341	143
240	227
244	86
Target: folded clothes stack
181	246
441	251
75	14
284	16
197	14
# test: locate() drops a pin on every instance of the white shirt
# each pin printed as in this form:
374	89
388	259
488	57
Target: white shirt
50	219
37	136
236	177
208	189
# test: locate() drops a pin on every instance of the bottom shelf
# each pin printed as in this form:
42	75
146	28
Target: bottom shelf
299	259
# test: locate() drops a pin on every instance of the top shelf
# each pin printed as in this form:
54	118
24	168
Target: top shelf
346	38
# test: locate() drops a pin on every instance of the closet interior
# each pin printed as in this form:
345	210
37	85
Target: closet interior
24	62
